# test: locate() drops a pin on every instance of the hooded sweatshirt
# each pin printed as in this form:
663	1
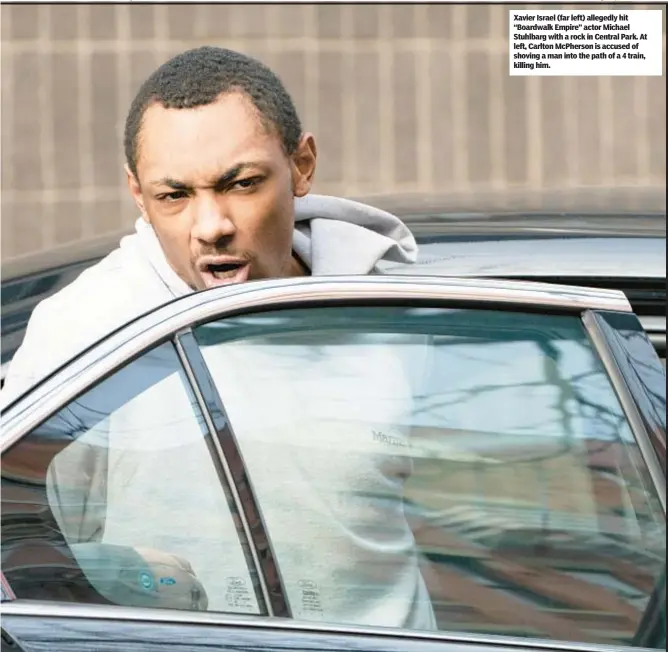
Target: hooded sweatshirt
328	477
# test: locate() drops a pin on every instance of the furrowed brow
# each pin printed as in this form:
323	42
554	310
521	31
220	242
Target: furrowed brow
171	183
231	174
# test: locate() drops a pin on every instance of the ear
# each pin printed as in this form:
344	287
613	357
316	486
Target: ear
135	191
303	165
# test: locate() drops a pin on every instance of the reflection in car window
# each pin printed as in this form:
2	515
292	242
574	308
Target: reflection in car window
117	499
486	450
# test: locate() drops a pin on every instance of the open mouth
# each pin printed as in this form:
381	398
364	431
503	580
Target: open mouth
224	269
228	272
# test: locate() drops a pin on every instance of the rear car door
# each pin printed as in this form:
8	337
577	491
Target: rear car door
447	460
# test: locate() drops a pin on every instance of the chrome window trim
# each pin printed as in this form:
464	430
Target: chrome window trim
628	405
272	587
162	323
264	601
38	609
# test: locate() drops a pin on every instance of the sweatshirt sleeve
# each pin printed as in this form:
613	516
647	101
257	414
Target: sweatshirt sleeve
58	330
34	358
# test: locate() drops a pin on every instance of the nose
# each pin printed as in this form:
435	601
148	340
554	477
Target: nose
211	222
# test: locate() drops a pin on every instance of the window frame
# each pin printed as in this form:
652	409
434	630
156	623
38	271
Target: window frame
284	634
175	321
390	639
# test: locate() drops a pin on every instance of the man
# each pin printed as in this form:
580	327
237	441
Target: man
220	170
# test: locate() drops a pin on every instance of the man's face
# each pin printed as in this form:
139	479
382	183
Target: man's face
218	189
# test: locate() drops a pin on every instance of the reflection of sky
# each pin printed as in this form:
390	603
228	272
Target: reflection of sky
156	374
515	389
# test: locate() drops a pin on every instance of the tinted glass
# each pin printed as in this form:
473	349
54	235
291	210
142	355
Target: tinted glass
442	469
118	499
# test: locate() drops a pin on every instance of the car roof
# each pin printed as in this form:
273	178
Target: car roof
558	245
545	256
432	221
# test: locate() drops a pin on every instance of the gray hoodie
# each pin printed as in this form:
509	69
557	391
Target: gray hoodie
330	491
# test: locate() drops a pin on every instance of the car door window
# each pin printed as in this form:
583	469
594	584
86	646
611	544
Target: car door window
118	498
459	470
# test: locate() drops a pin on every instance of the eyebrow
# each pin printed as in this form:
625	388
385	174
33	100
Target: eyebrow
221	181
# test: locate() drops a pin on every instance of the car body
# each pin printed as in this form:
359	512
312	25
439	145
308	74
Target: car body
536	491
625	252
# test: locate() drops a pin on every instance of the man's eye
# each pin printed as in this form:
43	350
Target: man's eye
245	184
172	196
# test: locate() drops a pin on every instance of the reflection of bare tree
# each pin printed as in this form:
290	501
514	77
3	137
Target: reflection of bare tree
574	397
570	395
649	375
87	412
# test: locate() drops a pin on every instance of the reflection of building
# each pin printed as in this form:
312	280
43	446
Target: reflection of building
547	541
403	98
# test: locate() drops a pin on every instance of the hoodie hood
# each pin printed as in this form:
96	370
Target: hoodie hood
340	236
333	236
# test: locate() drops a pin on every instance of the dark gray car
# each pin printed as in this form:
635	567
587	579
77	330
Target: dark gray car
528	445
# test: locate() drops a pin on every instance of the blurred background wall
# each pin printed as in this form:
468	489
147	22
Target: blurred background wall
405	101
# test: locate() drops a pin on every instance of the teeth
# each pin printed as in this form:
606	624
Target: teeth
222	274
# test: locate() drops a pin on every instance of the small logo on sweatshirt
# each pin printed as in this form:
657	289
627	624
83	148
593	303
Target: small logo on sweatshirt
390	440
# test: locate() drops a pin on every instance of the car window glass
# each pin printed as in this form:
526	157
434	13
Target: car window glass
118	499
457	470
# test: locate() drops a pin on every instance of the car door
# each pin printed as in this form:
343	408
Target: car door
449	461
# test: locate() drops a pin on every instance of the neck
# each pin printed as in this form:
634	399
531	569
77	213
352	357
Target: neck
297	267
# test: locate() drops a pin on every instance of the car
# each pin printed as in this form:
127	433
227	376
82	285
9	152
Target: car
516	428
624	251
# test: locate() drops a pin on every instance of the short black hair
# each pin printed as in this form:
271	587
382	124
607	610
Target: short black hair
198	77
